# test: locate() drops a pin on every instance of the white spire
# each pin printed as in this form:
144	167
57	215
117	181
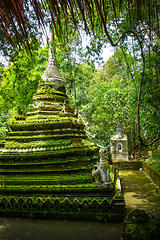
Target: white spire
52	58
118	128
51	75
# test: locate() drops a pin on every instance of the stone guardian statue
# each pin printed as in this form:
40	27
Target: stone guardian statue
101	171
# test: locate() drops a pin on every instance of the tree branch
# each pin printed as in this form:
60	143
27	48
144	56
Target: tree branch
127	62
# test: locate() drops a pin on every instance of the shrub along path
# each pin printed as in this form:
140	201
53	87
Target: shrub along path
140	193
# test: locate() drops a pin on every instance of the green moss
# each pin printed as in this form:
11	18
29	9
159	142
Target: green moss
20	117
54	154
49	123
38	144
45	137
53	97
2	144
46	132
38	117
49	90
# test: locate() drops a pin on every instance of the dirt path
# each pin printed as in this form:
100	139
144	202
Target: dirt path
38	229
140	192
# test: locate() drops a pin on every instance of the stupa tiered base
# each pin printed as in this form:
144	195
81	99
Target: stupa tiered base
62	193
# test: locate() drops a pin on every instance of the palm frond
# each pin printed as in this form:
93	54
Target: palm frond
15	23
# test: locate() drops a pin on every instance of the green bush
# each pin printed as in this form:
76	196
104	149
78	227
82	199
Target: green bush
139	226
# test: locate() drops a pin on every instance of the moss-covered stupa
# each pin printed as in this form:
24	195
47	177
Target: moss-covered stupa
51	128
46	161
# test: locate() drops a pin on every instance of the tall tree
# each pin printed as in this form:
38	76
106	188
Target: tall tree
19	80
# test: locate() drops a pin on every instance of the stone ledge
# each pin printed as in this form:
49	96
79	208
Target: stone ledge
152	172
85	210
128	165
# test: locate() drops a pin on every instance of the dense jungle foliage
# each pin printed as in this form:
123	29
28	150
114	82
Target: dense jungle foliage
127	87
101	96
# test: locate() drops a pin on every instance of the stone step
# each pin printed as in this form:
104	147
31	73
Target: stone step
46	132
70	160
47	165
43	125
43	178
47	154
44	137
72	190
42	170
38	181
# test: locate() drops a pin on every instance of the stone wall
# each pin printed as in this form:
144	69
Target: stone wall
152	172
128	165
65	209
